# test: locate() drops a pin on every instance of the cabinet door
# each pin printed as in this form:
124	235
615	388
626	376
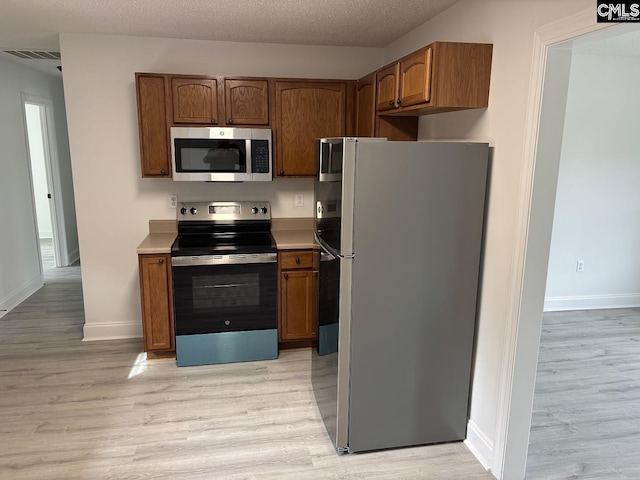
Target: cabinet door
152	93
246	102
388	87
415	78
156	301
195	100
306	111
297	305
366	106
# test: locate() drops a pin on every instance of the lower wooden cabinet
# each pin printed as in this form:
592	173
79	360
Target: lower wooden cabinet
298	290
156	298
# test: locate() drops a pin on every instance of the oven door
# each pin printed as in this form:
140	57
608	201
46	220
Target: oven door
225	298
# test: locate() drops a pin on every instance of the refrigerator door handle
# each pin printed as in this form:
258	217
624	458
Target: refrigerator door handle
329	250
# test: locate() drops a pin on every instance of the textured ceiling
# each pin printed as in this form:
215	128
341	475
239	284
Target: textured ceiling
35	24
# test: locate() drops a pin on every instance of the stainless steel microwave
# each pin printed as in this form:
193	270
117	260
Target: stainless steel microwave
331	153
221	154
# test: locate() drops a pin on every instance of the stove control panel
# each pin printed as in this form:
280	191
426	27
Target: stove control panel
223	211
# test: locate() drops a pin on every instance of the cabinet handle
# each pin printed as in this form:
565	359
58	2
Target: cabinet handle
281	172
286	276
391	104
213	121
161	261
230	121
399	102
297	260
163	172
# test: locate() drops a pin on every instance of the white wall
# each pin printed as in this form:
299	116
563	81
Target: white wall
38	170
510	26
19	263
113	203
597	213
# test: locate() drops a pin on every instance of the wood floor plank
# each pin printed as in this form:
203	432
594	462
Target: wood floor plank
97	410
586	414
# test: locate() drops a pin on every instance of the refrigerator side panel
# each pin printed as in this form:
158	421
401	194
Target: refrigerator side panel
344	355
418	214
348	182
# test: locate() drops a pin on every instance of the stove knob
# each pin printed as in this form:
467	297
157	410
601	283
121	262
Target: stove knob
263	210
254	210
183	211
193	210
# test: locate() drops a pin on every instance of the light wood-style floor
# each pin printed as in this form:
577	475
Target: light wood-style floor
586	417
48	256
77	410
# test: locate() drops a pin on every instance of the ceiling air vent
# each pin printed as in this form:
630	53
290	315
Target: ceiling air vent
34	55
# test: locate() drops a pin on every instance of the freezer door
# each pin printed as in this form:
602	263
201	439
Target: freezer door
330	363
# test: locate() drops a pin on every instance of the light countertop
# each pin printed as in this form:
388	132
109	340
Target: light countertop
293	233
288	233
162	233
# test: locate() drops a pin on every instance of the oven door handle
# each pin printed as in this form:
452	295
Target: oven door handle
260	258
328	249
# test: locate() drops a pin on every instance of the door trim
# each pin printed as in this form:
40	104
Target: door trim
515	399
54	183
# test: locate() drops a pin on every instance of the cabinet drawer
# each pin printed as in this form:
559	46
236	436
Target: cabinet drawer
296	259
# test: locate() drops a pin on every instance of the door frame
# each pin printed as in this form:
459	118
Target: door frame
54	183
526	295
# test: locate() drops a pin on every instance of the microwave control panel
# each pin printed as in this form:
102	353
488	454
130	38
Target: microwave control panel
260	156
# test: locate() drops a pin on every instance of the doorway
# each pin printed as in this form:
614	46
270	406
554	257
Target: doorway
45	181
543	141
587	348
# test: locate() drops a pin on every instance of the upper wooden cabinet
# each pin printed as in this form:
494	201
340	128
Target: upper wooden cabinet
440	77
366	106
153	94
304	112
246	102
370	124
388	81
195	100
220	100
415	78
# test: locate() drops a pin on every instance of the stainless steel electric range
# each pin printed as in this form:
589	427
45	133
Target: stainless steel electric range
224	283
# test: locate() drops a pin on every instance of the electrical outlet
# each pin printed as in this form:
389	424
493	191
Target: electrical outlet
173	200
580	266
299	200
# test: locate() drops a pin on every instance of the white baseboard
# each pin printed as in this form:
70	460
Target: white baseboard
73	257
591	302
20	294
111	331
480	445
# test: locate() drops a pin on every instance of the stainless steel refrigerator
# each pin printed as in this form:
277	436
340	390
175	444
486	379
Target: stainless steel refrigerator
400	227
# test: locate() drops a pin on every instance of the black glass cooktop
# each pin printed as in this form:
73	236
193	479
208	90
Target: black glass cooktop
222	243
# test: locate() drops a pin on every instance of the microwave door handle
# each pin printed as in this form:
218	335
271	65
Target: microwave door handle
330	159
